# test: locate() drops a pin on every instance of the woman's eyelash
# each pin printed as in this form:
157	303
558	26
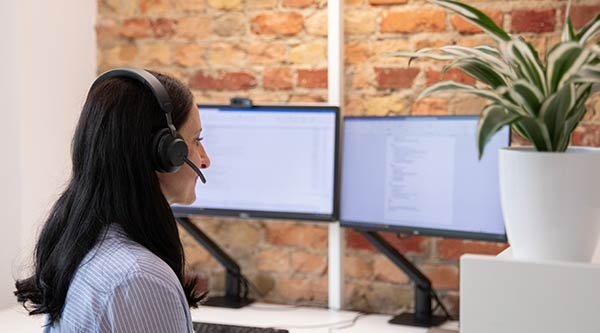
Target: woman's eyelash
199	138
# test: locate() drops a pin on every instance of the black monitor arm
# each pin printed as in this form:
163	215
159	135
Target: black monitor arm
234	280
423	315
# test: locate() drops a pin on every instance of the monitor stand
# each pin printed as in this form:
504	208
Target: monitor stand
423	315
234	297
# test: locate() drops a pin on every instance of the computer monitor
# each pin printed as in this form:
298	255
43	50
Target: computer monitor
421	175
269	162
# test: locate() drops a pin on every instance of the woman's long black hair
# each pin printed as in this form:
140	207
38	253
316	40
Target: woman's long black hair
112	181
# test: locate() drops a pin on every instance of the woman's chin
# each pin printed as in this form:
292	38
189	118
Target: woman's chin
189	200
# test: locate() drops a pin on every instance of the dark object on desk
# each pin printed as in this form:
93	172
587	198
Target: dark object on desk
423	315
219	328
236	285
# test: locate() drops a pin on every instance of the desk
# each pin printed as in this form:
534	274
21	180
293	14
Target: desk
294	319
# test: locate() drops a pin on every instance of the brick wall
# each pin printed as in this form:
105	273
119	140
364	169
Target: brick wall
275	51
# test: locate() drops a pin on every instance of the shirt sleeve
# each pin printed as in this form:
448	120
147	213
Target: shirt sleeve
145	304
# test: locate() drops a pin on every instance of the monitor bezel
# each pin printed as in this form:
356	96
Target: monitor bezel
186	211
363	225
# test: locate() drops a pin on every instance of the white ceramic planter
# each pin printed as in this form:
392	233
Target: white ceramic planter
551	202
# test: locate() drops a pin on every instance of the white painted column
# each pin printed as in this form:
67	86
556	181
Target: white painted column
335	78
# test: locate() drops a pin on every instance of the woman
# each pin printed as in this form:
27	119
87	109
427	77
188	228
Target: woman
109	257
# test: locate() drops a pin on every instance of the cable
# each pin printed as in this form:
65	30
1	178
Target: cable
328	325
251	285
360	315
440	304
281	307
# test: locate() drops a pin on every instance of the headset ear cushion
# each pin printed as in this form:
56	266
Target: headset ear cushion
169	152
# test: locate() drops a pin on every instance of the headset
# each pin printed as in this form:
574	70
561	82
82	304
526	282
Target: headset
169	150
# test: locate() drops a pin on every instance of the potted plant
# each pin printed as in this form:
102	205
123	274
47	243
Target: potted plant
550	192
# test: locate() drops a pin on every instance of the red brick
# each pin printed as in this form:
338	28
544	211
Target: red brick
356	53
418	20
404	245
277	78
273	260
136	28
395	77
277	23
154	6
302	289
107	30
189	5
580	15
298	3
466	27
387	2
386	270
305	262
454	74
194	26
430	106
164	27
442	276
310	98
586	135
312	78
357	267
117	7
297	235
222	81
533	20
354	105
454	248
451	300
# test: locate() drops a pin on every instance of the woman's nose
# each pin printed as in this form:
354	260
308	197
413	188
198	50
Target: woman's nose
204	159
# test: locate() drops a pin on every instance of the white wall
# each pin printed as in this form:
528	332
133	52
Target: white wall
51	63
10	162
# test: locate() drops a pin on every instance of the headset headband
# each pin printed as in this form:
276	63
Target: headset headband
143	76
150	81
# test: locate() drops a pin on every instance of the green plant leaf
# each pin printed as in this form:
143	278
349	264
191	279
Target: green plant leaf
494	96
589	30
568	34
585	58
588	74
535	131
582	92
482	53
526	63
489	50
422	53
476	17
527	95
570	125
560	60
492	119
479	70
554	112
454	86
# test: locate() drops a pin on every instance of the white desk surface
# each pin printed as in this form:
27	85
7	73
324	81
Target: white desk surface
294	319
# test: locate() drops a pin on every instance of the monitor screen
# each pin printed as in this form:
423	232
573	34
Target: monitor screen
272	162
421	175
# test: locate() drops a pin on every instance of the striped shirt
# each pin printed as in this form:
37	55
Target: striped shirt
121	286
